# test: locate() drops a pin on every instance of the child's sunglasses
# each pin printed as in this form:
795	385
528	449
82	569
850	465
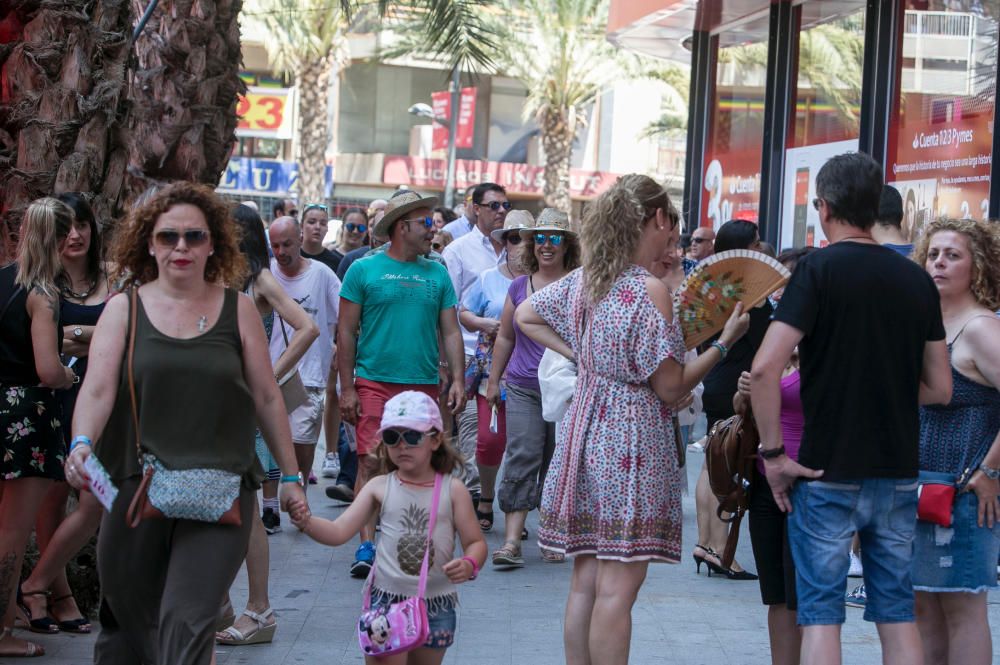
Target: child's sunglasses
192	237
556	239
392	437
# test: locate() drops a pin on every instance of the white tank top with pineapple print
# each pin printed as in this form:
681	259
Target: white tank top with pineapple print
404	518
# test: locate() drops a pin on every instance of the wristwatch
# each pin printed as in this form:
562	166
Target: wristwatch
771	453
989	472
78	332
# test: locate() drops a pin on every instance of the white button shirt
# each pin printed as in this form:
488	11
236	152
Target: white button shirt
467	258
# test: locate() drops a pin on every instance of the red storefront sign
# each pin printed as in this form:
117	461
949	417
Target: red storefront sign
441	103
731	188
942	169
515	178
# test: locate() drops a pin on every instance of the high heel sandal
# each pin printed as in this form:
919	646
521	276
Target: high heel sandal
717	568
698	560
43	624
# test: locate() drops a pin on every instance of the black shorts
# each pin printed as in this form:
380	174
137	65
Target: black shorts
771	553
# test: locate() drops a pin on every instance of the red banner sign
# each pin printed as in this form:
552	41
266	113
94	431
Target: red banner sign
515	178
441	103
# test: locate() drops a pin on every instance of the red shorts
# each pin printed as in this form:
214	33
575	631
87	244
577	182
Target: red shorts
372	397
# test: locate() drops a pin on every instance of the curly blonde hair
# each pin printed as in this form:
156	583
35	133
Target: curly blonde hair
47	222
984	246
612	226
131	254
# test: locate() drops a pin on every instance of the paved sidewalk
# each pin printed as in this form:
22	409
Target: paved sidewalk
511	617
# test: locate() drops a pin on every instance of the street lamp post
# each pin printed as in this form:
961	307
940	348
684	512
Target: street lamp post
425	111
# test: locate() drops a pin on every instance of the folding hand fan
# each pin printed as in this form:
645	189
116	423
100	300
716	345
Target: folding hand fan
710	293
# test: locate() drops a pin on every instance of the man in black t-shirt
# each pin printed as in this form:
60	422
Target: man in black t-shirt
867	322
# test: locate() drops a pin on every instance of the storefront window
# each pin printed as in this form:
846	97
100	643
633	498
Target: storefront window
732	165
942	132
827	112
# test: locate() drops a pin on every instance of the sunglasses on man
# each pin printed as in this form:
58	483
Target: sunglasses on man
412	437
698	241
496	205
352	227
192	237
555	239
426	221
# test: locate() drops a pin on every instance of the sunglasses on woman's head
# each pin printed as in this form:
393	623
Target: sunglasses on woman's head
555	238
192	237
351	227
315	206
427	221
496	205
392	437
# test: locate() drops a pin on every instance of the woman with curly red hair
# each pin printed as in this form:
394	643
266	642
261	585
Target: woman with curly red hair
202	377
954	565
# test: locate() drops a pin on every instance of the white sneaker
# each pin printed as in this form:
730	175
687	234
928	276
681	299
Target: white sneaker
331	465
856	569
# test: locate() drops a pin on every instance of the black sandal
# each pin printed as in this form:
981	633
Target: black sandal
80	625
43	624
485	516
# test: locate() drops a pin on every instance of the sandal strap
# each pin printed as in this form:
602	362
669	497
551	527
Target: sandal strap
36	593
234	634
261	618
62	598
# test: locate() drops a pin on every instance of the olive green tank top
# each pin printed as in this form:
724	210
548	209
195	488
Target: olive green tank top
195	408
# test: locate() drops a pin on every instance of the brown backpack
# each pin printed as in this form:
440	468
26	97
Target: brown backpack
730	455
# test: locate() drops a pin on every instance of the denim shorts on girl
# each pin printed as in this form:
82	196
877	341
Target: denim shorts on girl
825	515
960	558
442	618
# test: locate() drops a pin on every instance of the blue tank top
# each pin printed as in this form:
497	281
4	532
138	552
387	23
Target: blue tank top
957	436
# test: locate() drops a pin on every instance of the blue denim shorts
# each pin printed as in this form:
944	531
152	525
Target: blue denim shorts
825	515
960	558
442	619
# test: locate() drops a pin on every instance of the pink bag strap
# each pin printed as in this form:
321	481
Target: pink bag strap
422	585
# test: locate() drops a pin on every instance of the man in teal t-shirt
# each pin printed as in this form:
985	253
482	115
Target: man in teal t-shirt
394	307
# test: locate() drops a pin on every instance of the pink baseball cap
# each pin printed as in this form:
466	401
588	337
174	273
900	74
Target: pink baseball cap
413	410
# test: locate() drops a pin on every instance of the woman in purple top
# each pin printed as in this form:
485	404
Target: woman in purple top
769	525
551	252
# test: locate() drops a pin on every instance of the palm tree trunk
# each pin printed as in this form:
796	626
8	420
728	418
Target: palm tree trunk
558	131
63	70
183	92
313	88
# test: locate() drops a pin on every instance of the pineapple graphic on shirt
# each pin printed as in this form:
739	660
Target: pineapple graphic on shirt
410	547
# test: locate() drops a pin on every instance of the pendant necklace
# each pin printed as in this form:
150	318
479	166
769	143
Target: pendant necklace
202	323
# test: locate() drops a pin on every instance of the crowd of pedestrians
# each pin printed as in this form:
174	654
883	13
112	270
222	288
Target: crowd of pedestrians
192	362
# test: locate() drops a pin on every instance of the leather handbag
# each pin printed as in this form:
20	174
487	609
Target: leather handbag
293	391
202	494
401	626
730	454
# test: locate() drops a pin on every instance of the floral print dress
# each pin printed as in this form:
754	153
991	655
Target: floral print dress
613	487
31	431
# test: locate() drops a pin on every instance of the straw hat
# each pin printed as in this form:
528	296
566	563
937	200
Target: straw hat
516	220
398	207
550	220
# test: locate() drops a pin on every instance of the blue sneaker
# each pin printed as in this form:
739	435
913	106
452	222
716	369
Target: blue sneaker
857	598
364	559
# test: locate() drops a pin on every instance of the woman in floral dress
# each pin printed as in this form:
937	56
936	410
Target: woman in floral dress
30	373
612	496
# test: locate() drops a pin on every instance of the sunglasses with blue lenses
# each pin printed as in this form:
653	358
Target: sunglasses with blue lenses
314	206
352	227
555	238
427	221
392	437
